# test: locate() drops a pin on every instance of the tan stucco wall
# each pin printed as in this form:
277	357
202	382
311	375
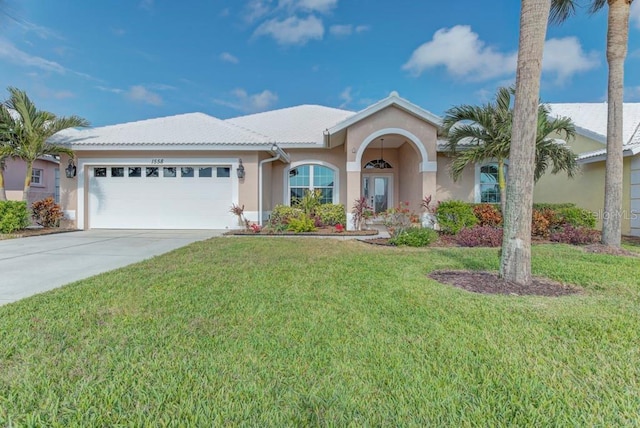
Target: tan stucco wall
14	175
409	177
334	157
585	190
463	189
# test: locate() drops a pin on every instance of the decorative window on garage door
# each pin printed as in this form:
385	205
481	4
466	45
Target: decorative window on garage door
154	172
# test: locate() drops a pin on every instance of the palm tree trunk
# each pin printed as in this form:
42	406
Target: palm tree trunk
617	40
515	263
3	194
27	181
502	185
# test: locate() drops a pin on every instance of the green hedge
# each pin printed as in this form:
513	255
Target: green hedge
331	214
13	216
455	215
415	237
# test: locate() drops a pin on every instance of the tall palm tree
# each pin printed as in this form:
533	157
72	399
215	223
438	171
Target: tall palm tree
479	133
6	148
515	262
617	42
31	128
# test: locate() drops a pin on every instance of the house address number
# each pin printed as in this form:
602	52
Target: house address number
157	161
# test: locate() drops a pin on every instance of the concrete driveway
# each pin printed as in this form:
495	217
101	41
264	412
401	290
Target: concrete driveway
32	265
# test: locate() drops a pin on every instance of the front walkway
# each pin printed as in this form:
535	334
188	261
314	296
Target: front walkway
36	264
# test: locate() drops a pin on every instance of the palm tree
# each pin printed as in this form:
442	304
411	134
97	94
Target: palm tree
31	128
515	262
478	133
6	148
617	42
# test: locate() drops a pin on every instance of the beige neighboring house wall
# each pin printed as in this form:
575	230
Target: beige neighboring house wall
14	175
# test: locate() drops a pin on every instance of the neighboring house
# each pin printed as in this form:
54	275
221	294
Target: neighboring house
185	171
587	189
44	179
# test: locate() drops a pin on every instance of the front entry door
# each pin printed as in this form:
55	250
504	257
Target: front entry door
377	189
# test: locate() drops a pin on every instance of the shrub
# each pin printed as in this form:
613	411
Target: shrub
453	216
282	214
309	202
331	214
552	206
13	216
487	215
539	224
480	236
576	235
47	213
361	212
399	218
301	224
415	237
577	217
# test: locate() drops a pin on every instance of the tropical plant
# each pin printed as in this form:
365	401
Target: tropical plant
30	129
515	262
479	133
361	212
617	43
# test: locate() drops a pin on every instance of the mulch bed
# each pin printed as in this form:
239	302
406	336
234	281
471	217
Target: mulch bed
603	249
323	231
491	283
35	232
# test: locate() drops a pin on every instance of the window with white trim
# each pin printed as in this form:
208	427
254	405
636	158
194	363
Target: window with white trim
312	177
489	184
37	177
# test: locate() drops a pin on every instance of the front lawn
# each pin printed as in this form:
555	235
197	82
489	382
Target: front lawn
304	332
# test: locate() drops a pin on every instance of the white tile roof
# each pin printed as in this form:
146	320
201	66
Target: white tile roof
183	129
591	120
303	124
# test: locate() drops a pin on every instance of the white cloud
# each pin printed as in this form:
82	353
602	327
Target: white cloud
346	97
341	30
635	13
250	103
42	32
362	28
107	89
227	57
321	6
565	57
461	52
256	9
292	30
12	54
141	94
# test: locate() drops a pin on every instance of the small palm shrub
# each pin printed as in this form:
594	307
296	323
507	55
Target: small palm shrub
576	235
13	216
47	213
331	214
453	216
415	237
309	202
487	215
479	236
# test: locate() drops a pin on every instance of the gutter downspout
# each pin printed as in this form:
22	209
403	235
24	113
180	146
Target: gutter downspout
262	162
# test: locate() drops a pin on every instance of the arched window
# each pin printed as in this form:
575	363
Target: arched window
378	164
489	188
312	177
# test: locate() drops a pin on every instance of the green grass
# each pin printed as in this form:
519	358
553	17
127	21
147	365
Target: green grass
306	332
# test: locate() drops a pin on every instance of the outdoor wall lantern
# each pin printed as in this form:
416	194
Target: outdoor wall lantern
240	170
70	170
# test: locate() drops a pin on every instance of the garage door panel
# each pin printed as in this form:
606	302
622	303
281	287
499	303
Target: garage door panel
159	202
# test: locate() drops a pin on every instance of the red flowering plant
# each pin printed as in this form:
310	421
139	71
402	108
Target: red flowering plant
339	228
256	227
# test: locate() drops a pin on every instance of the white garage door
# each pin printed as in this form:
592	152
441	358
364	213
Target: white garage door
160	197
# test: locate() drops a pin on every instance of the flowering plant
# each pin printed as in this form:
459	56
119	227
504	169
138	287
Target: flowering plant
256	227
339	228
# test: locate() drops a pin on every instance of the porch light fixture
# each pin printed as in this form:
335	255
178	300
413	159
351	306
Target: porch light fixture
240	170
382	164
70	170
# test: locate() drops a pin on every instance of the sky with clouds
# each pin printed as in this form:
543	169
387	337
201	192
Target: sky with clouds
114	62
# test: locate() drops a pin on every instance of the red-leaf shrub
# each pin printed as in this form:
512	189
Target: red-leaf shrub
487	215
47	213
576	235
479	236
539	224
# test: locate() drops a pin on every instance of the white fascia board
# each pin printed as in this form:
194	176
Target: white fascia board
183	147
591	135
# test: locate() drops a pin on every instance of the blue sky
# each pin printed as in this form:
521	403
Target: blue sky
125	60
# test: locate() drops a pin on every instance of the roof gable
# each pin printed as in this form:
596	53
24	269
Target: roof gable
392	100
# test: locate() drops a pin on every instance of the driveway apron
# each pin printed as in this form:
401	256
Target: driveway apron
36	264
